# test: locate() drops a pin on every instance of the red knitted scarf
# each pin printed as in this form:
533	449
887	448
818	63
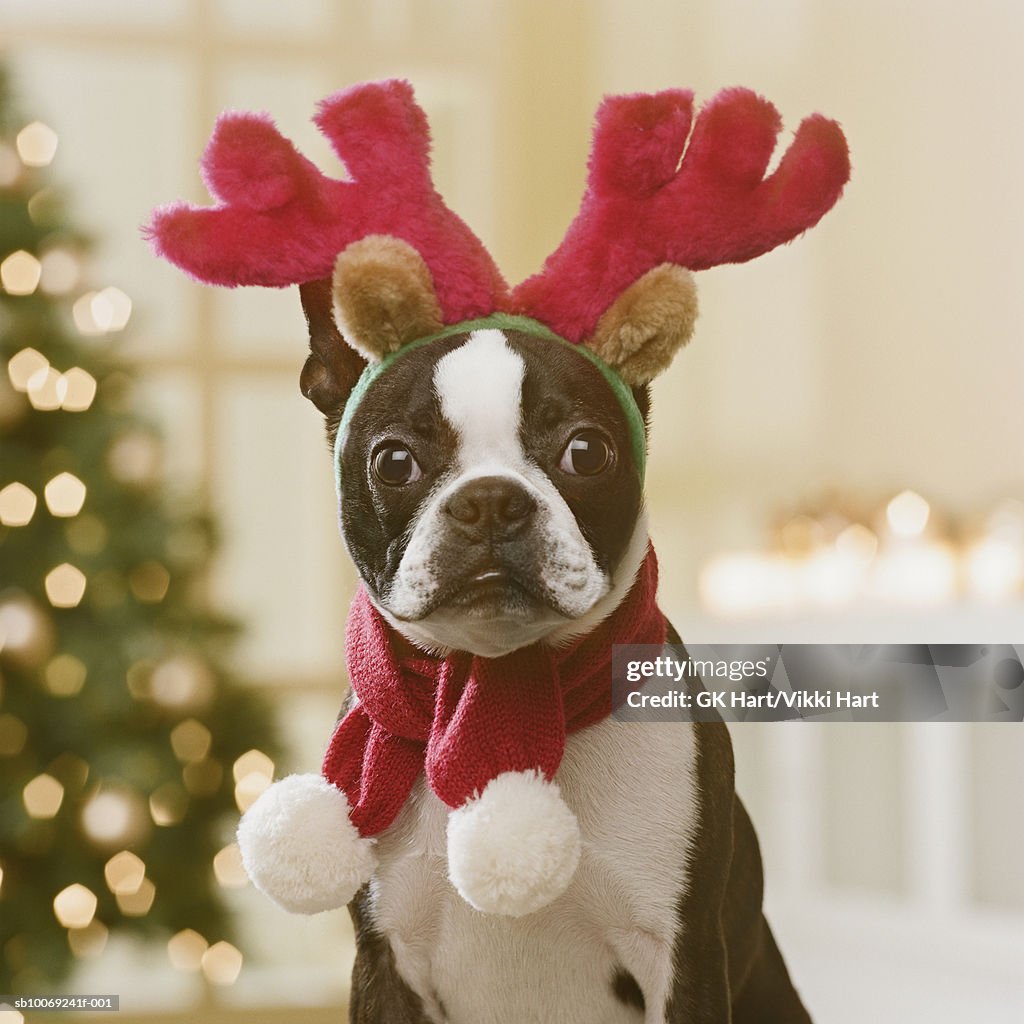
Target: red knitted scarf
465	719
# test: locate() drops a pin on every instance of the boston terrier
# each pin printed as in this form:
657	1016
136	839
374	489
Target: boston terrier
509	851
491	500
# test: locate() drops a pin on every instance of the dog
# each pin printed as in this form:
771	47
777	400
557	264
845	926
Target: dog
492	500
509	851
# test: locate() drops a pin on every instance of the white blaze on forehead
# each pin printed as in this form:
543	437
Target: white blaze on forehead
480	387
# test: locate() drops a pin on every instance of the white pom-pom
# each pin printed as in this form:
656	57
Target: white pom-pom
513	849
299	847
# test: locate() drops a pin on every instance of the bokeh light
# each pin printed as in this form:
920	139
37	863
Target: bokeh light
20	273
75	906
181	682
88	942
149	582
908	514
168	804
13	733
43	796
125	873
43	393
65	586
253	773
138	903
17	505
76	390
185	950
227	866
222	963
37	144
191	741
114	816
101	312
65	495
23	366
65	675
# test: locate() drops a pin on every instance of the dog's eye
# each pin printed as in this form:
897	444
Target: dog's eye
586	454
394	465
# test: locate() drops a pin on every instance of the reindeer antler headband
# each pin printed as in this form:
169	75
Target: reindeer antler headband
616	282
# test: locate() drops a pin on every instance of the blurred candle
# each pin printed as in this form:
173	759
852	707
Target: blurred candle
994	567
748	582
914	572
908	514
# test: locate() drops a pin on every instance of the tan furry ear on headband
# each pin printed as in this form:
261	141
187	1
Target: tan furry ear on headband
383	296
641	331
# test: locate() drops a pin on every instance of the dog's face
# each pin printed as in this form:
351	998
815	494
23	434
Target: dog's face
490	492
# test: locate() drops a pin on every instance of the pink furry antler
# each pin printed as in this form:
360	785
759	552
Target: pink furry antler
280	221
643	208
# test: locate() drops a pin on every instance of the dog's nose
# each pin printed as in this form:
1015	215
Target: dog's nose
490	505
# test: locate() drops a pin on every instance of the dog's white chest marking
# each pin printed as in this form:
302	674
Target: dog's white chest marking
632	787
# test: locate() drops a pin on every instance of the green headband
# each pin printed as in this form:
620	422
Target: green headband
501	322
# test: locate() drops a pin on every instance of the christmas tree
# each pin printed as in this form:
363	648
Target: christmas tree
126	751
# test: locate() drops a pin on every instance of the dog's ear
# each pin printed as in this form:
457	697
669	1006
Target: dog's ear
641	331
383	296
380	297
332	368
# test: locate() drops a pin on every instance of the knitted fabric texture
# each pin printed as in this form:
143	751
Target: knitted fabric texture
464	719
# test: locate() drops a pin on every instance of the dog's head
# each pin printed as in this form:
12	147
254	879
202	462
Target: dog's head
490	479
489	474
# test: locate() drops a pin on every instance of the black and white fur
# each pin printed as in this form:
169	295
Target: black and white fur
493	545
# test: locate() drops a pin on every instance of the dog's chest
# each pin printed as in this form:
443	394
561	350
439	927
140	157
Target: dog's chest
632	788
